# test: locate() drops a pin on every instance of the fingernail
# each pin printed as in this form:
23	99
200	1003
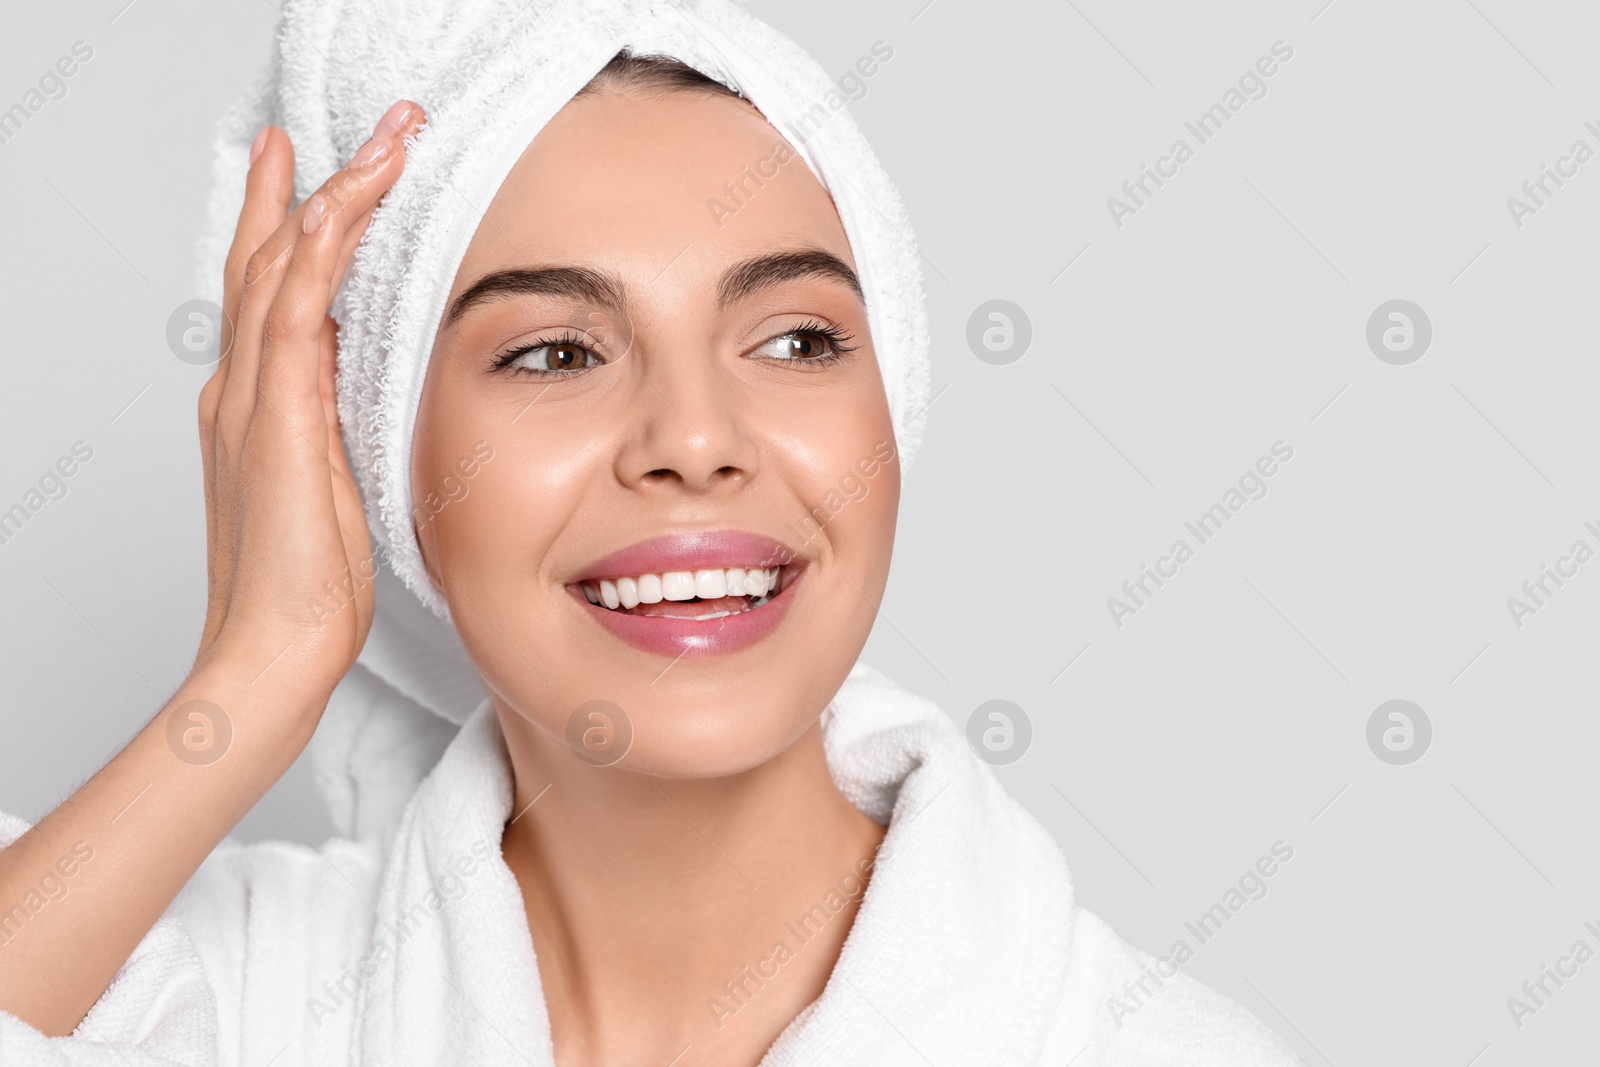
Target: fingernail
316	211
371	152
258	145
394	120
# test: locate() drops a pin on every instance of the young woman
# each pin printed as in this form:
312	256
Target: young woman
685	827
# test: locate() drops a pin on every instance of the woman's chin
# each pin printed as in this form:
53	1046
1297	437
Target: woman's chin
674	693
679	735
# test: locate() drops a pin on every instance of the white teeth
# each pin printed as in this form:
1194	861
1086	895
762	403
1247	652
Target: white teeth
710	585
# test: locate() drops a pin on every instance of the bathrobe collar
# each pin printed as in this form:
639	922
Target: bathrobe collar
958	952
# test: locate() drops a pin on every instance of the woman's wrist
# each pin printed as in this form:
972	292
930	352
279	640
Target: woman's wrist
230	698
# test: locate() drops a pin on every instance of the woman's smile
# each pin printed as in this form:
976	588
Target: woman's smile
714	591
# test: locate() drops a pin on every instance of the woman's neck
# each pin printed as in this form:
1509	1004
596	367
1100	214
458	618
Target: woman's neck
668	913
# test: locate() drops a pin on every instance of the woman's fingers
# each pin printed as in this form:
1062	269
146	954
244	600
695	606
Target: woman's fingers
267	322
269	187
269	190
377	160
347	502
328	395
290	351
348	250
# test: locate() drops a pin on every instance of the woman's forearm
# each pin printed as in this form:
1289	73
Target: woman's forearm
81	888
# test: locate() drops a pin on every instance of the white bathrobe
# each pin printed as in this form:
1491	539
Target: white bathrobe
967	948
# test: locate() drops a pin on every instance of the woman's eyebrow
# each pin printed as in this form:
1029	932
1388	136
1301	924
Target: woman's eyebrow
596	287
579	283
775	268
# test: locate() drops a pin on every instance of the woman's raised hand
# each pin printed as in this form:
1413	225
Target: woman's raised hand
289	559
283	524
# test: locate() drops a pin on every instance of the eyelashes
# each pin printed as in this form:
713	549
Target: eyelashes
835	338
560	346
567	353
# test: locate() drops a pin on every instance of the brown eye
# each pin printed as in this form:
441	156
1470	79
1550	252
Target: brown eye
812	343
549	359
563	357
806	345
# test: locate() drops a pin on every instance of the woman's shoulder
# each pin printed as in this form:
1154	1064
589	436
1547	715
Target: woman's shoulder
1130	1008
961	848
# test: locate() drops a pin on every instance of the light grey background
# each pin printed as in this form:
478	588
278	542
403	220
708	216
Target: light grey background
1168	354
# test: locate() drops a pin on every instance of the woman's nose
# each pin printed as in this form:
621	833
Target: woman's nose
687	429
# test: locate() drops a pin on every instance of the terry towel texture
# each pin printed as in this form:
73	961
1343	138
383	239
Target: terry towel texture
968	949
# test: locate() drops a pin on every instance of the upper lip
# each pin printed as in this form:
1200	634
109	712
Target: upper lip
695	550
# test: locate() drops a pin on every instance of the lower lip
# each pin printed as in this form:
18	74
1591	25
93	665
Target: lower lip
689	637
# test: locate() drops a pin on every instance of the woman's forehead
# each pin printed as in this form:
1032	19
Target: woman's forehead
634	181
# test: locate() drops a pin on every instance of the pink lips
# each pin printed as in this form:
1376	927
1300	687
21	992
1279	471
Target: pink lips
686	552
691	551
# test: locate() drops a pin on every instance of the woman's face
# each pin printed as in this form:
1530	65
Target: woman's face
655	382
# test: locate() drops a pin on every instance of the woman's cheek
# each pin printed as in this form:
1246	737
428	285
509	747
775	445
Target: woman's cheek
871	493
502	530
